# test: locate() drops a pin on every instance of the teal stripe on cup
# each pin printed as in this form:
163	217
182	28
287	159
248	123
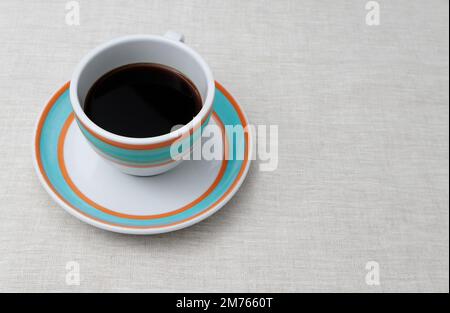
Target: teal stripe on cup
140	157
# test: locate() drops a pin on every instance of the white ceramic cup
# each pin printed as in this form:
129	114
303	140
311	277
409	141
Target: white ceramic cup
141	156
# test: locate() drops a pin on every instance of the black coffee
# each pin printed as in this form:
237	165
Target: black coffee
142	100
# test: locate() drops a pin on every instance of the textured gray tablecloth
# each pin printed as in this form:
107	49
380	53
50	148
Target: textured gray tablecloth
363	115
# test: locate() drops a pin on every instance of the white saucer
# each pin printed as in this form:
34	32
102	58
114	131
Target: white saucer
95	192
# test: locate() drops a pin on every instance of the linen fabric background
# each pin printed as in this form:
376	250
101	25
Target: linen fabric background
363	117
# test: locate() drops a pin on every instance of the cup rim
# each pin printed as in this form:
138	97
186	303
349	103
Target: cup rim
114	138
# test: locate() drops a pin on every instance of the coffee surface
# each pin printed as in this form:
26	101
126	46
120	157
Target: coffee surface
142	100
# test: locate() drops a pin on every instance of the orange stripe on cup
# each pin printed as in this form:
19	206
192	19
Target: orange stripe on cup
163	144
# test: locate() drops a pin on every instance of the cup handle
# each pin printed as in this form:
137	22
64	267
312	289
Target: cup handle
172	35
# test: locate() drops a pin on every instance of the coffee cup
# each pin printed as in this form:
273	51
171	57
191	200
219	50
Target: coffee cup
151	155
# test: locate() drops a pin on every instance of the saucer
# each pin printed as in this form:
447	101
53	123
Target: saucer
92	190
